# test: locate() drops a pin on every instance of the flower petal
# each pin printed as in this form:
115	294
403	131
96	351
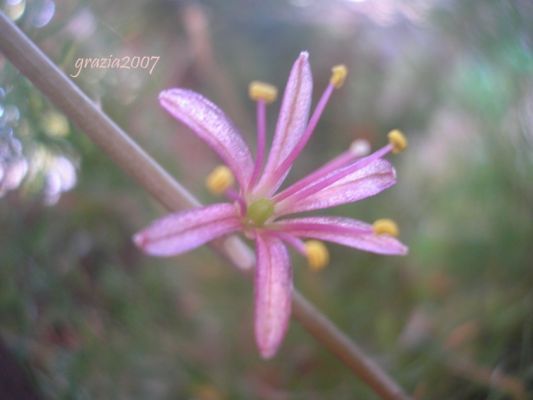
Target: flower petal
345	231
211	125
292	120
365	182
273	294
183	231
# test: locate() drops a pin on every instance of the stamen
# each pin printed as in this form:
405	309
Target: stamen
335	176
262	91
397	140
317	254
219	180
385	227
338	75
313	121
358	148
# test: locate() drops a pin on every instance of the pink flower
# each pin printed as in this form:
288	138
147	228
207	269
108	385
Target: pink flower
258	210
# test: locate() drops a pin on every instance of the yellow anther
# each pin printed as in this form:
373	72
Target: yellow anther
262	91
338	75
385	227
317	254
219	180
397	140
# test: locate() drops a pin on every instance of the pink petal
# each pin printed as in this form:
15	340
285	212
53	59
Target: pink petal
292	120
365	182
273	292
211	125
345	231
183	231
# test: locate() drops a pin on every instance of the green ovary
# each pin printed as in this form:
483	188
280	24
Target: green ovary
259	211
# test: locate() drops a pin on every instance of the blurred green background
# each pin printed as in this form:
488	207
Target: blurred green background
86	315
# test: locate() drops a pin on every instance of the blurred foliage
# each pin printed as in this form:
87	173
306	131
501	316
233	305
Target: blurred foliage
91	317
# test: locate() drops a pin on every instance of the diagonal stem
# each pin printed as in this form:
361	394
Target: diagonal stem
67	97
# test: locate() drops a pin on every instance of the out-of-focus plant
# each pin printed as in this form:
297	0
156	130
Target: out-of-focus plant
456	76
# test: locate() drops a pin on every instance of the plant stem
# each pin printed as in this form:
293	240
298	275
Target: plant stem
128	155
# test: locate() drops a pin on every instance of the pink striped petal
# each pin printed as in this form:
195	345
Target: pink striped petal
212	126
292	120
273	293
183	231
345	231
365	182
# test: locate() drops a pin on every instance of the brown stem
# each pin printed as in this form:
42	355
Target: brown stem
66	96
197	29
466	368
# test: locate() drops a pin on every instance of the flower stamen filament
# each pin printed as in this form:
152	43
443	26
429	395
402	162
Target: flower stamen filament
339	73
263	93
358	148
397	143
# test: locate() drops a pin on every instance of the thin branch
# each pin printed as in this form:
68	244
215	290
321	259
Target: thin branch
197	29
67	97
466	368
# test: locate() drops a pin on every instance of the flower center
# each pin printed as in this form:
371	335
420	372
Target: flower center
259	211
